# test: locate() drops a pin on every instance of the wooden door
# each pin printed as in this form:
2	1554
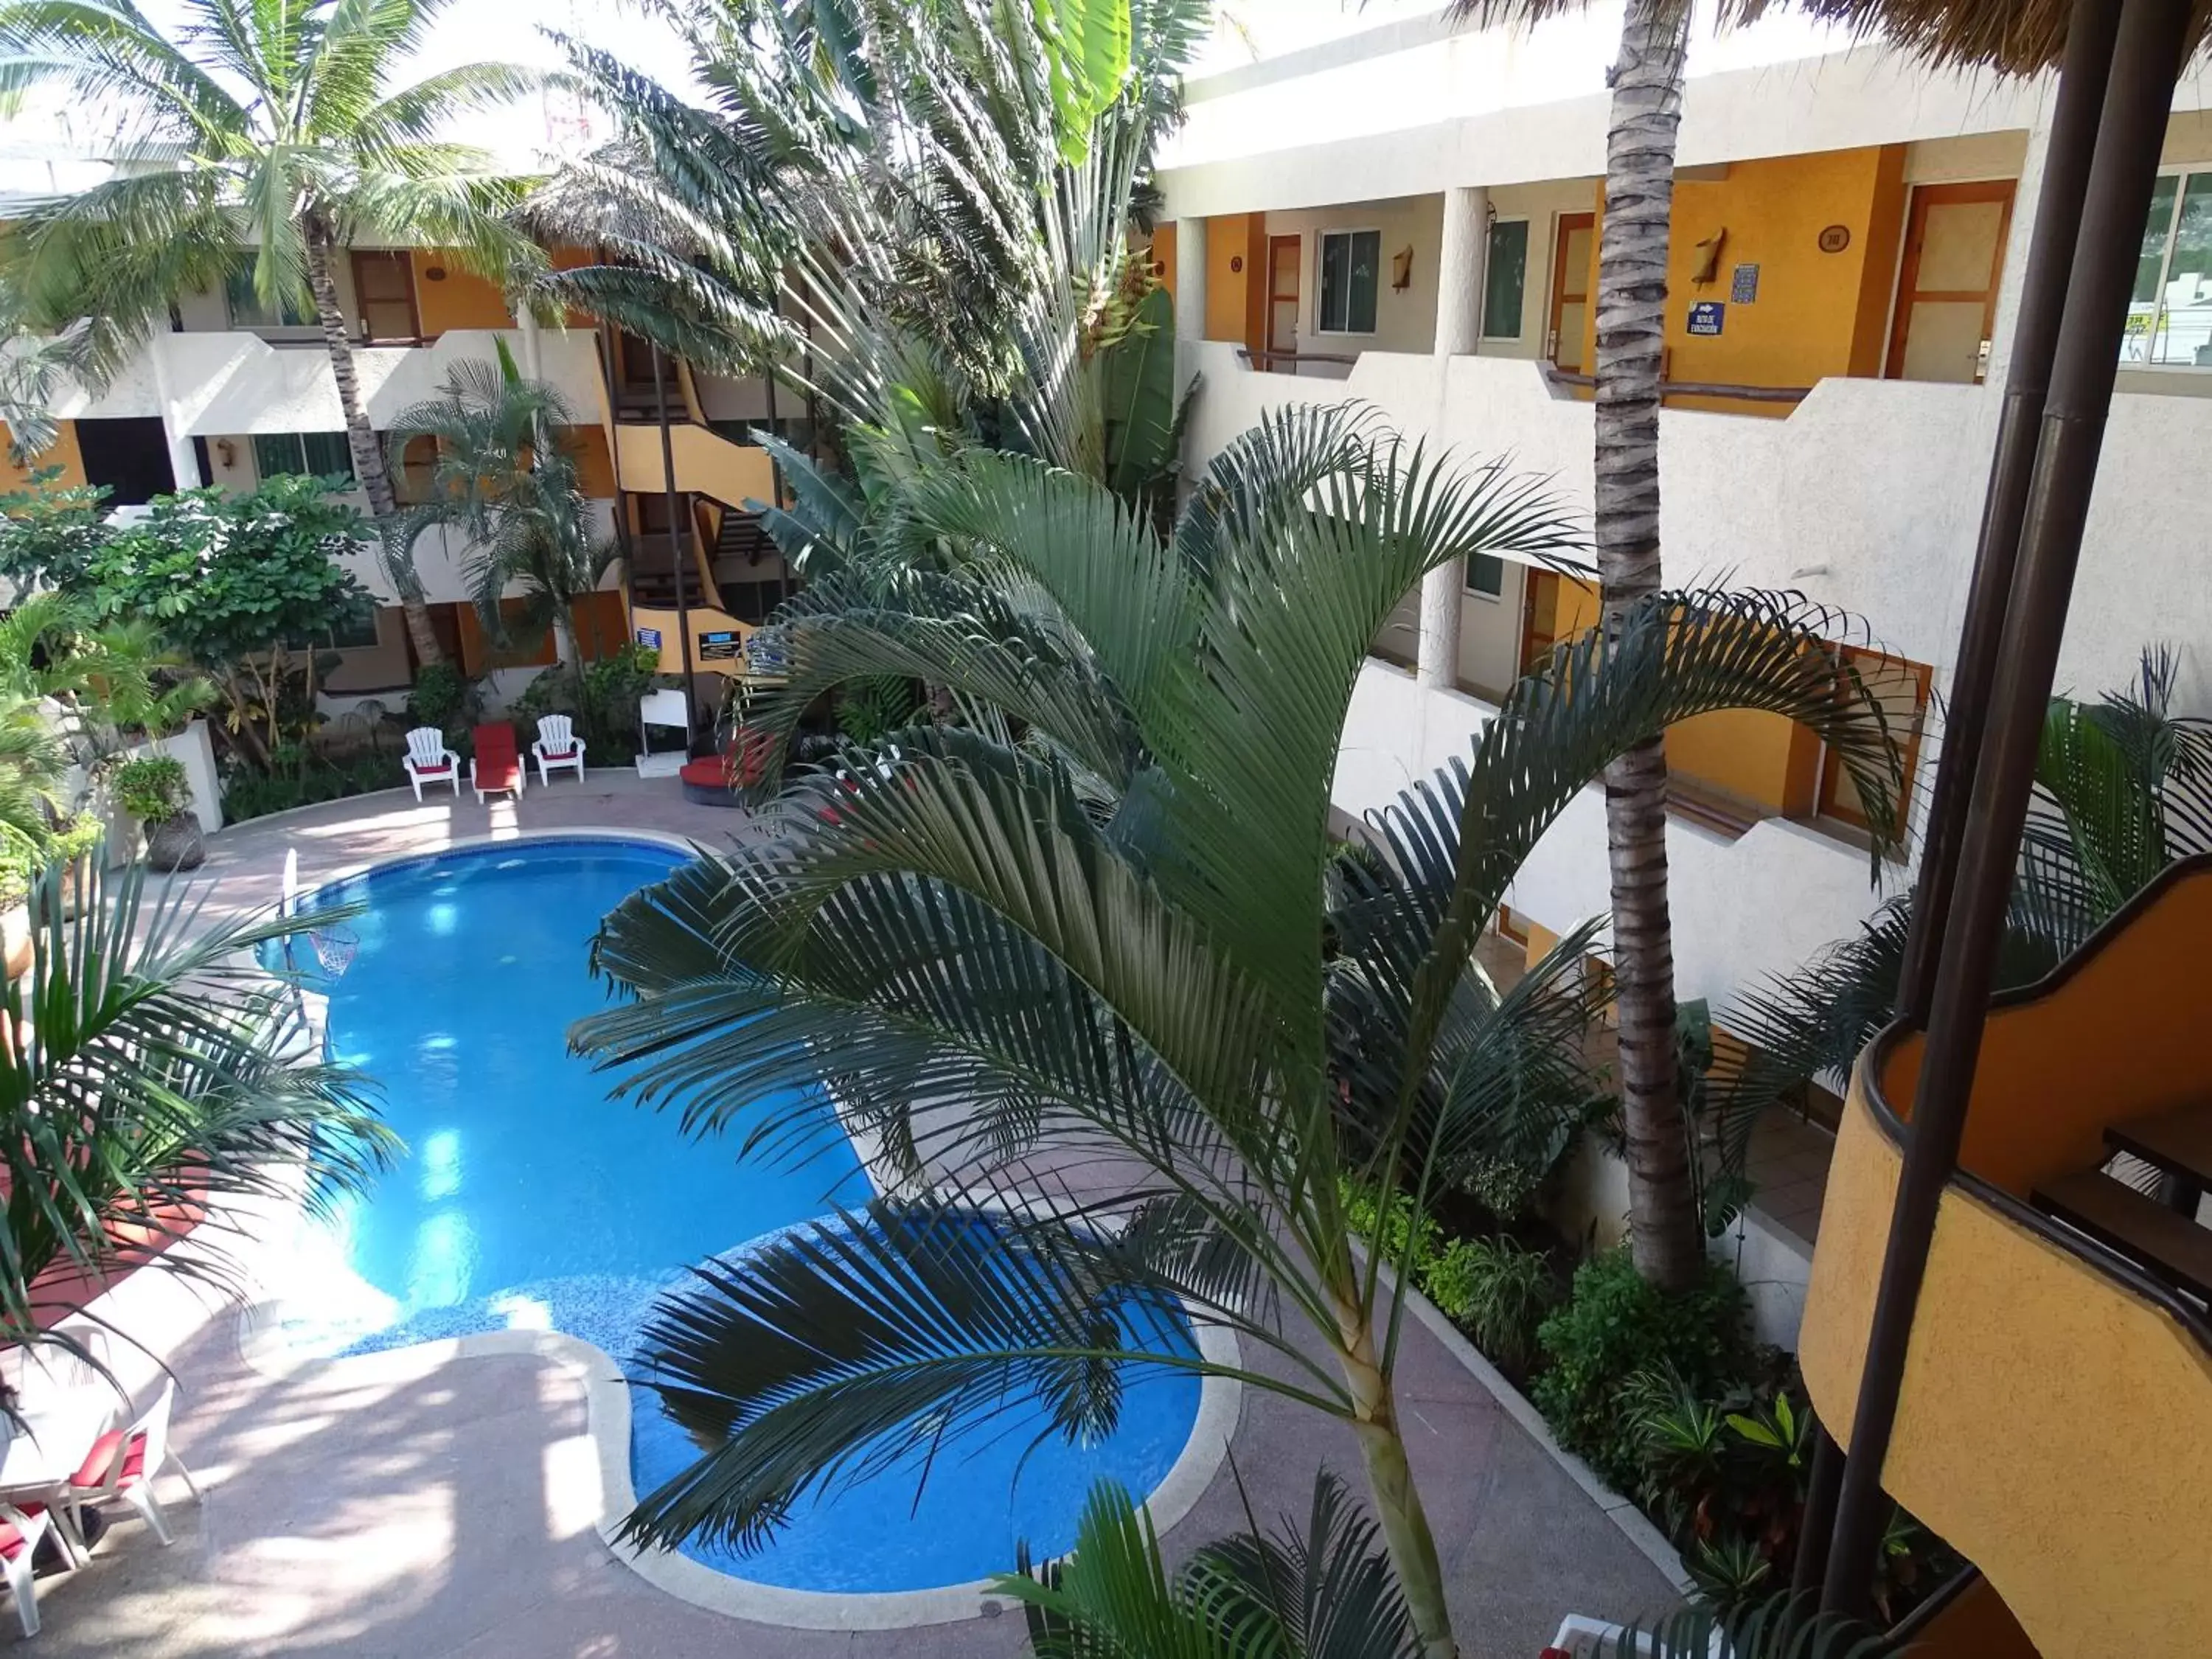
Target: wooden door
1283	261
1540	616
1571	291
384	297
1946	289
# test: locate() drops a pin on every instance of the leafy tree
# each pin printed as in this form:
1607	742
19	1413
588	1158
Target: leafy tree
506	475
282	140
920	217
50	532
244	587
1093	918
150	1076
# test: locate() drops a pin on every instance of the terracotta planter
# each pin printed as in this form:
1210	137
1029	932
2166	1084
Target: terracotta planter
176	843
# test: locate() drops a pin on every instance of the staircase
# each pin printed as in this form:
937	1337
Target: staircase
2159	1235
742	541
657	567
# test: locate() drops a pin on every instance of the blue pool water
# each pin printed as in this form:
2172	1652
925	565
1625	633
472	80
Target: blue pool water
526	1197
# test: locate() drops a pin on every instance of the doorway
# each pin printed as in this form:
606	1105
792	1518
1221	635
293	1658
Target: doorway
384	296
1570	285
1284	254
131	456
1946	288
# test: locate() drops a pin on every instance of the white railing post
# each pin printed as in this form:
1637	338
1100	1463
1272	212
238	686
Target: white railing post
1459	325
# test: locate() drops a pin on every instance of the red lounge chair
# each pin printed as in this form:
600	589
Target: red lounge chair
714	780
497	763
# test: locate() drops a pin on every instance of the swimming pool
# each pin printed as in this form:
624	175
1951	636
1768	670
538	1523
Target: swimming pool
527	1199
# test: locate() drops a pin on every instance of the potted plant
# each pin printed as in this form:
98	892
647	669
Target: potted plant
154	790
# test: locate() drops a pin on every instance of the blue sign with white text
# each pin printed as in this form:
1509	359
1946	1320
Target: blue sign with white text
649	636
1706	316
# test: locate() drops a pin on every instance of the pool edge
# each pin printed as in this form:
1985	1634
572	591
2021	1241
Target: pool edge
263	1347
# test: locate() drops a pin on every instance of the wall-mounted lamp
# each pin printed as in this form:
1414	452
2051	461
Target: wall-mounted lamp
434	273
1401	267
227	453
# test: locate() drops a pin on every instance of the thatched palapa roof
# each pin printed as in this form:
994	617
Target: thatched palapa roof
2015	37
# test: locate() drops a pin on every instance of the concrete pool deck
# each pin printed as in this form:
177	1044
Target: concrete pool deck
417	1504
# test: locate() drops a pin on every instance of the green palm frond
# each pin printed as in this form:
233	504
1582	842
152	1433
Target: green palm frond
149	1079
1322	1589
1781	1627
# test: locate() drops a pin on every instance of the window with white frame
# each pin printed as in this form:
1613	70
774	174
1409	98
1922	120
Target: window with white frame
317	454
1351	269
2170	313
1486	574
1505	279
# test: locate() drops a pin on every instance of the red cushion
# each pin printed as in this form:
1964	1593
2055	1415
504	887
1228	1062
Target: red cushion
713	772
437	771
92	1472
558	754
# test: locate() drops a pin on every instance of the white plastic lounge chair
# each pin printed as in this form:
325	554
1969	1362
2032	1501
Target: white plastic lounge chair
429	760
123	1464
21	1531
557	747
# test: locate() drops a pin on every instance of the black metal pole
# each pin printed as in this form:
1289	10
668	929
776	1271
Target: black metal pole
2072	141
2146	63
677	544
2081	82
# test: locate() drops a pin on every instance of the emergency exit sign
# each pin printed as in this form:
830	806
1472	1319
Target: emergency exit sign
1708	316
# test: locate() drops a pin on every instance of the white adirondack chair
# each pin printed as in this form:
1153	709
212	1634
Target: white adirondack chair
429	760
557	747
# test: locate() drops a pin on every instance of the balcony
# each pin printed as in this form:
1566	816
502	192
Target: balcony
2055	1420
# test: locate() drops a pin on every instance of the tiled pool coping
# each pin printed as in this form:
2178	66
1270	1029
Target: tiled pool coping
263	1344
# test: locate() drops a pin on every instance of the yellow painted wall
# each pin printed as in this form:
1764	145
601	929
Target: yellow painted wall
1817	314
2122	1037
1763	759
2052	1427
1236	278
595	467
1163	255
705	461
62	452
457	300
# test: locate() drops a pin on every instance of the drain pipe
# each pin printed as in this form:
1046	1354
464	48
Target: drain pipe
2147	61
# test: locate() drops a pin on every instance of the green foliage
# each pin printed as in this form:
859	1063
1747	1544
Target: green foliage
227	577
604	699
444	697
1322	1589
151	1075
1496	1291
305	780
1778	1627
1143	415
50	532
1389	1223
869	710
153	788
1615	1326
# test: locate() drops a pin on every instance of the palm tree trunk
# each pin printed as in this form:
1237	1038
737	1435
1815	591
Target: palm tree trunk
361	437
1390	1487
1666	1234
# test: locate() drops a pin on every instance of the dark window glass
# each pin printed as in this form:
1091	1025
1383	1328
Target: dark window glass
1486	574
1504	277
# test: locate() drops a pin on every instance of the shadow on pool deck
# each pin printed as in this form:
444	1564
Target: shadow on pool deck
399	1507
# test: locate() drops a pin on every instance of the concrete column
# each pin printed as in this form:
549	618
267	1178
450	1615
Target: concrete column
1459	269
1190	280
1459	323
184	460
533	353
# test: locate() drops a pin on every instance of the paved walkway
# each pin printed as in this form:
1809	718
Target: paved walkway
415	1506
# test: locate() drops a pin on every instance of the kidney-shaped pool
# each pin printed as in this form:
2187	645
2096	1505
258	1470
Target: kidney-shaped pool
526	1198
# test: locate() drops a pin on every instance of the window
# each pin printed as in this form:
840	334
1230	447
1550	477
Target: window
1504	275
1486	574
317	455
247	310
1350	264
2170	315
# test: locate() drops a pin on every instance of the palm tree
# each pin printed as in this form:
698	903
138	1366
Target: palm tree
919	218
1091	920
1322	1590
506	474
1666	1236
265	137
148	1082
2123	788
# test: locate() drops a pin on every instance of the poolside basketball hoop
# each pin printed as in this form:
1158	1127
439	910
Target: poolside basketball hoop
334	949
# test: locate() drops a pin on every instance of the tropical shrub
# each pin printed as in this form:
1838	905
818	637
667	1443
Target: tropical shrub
309	780
1615	1326
50	532
445	697
153	788
1496	1291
